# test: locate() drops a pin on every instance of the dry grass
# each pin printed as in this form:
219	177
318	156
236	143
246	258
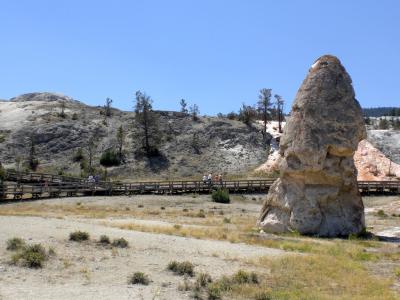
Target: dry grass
330	268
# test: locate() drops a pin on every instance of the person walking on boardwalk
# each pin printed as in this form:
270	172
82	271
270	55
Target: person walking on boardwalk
209	179
220	179
204	179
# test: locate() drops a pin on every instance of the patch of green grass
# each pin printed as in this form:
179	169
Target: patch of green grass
181	268
79	236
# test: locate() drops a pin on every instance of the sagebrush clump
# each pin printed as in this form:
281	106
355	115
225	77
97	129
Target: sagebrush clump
120	243
15	243
221	195
105	240
31	256
78	236
139	278
181	268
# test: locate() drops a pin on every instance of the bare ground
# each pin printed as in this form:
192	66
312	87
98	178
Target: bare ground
88	270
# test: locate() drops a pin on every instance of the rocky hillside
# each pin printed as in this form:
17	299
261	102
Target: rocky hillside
61	125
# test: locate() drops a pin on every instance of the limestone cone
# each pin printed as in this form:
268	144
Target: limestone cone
317	190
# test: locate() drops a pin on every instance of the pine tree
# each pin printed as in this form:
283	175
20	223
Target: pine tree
120	142
33	162
107	107
194	111
183	104
146	124
264	106
279	106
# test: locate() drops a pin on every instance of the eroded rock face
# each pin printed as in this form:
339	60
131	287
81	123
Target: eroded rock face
317	190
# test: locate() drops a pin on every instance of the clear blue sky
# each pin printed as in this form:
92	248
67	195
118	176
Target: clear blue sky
215	53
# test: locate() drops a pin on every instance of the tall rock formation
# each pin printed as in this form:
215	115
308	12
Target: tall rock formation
317	192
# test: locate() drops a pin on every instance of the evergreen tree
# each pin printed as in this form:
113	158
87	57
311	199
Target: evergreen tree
107	107
120	142
146	123
383	123
279	107
183	104
247	114
194	112
264	106
33	162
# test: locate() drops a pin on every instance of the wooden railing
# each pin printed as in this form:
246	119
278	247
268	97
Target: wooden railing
36	185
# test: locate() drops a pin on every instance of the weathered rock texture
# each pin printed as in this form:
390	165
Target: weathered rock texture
317	190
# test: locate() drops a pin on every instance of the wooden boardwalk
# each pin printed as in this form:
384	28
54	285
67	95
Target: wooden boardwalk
35	185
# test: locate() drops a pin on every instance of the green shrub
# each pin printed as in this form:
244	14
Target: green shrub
217	288
79	156
381	213
120	243
262	296
242	277
15	244
2	173
201	214
227	220
110	158
181	268
32	256
203	280
105	240
139	278
79	236
221	196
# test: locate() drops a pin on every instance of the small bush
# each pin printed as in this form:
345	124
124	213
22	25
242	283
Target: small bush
120	243
181	268
217	288
15	244
381	213
139	278
203	280
220	196
397	272
79	236
79	156
201	214
263	296
227	220
242	277
110	158
32	256
105	240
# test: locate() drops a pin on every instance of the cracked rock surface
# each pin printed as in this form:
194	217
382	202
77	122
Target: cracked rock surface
317	192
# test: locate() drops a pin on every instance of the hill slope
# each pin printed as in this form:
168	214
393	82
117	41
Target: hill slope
226	146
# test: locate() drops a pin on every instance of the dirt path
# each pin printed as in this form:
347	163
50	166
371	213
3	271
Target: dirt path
89	271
